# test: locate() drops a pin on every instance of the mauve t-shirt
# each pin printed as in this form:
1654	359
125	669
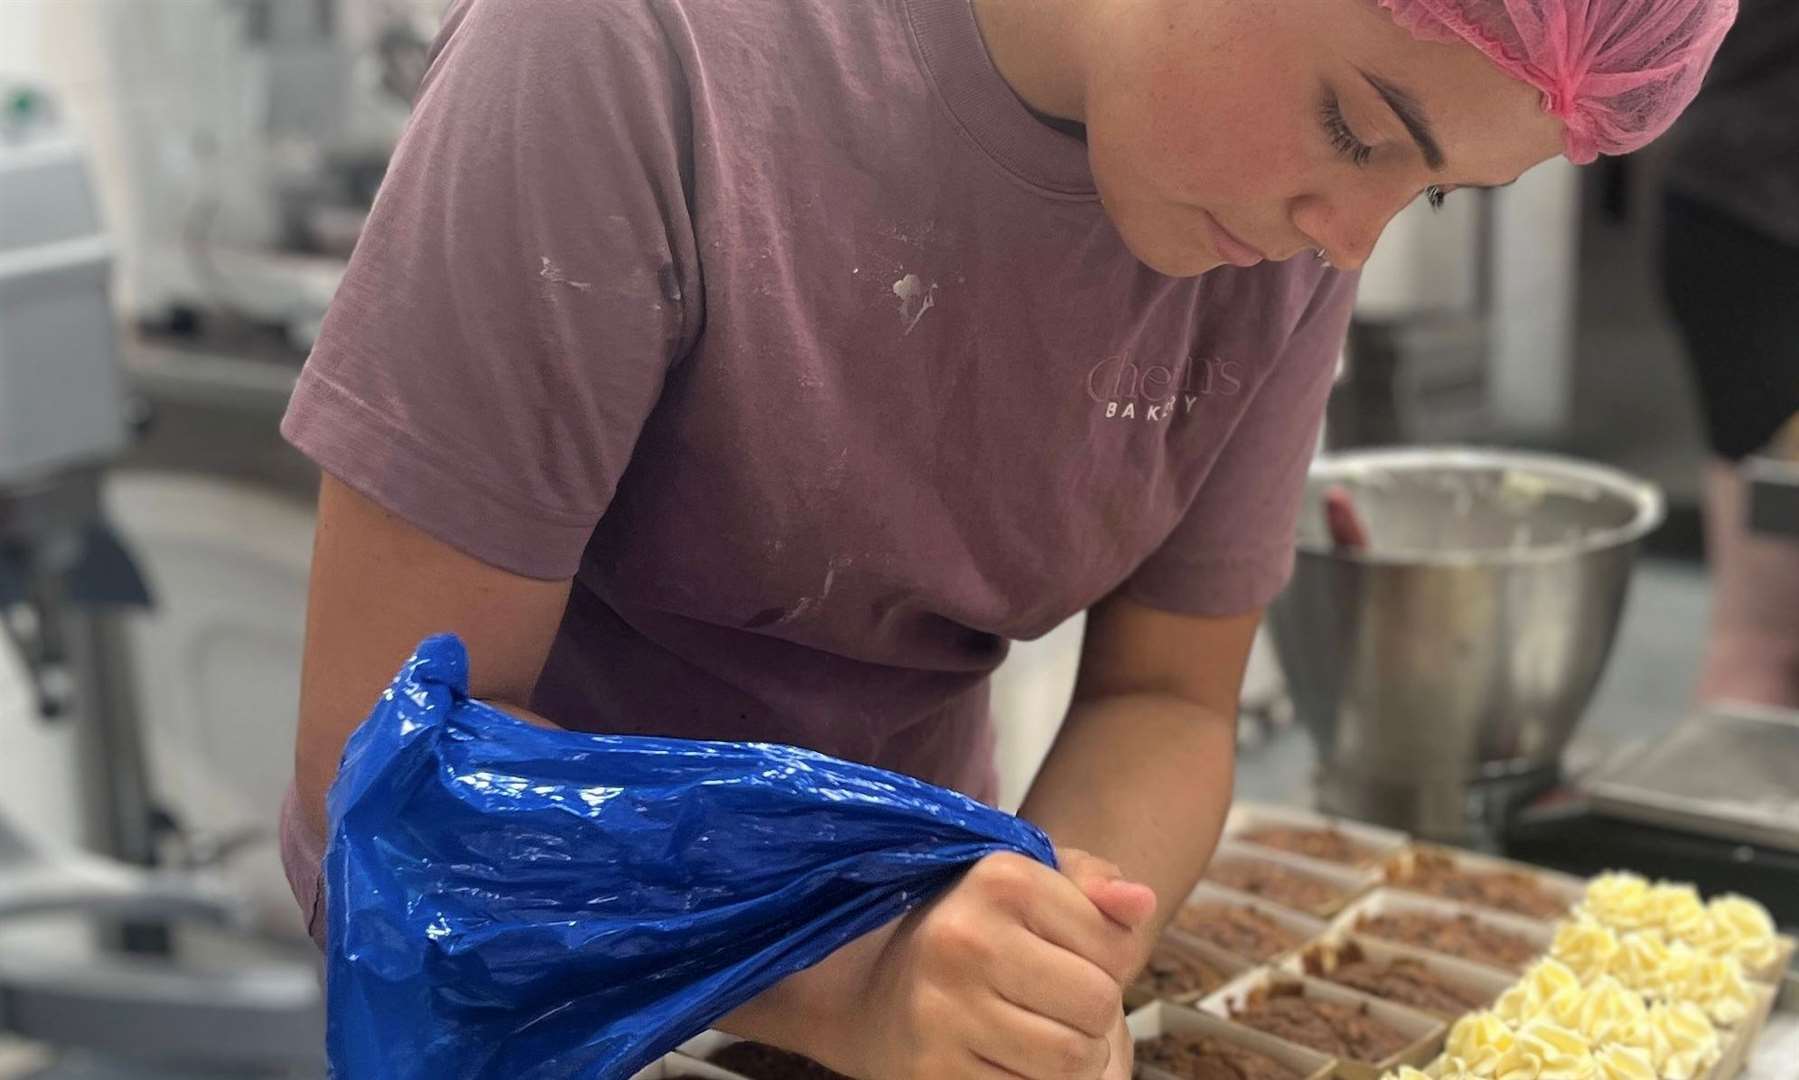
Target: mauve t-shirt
790	334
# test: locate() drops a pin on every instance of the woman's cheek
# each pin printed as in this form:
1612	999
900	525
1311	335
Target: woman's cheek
1254	157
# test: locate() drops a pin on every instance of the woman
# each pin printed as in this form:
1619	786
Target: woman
1730	263
755	369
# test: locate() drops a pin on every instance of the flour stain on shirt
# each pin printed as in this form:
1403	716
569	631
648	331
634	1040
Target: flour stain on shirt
809	603
549	271
836	469
915	234
914	299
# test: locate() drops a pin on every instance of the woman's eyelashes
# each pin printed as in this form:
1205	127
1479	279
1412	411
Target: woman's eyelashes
1350	146
1336	128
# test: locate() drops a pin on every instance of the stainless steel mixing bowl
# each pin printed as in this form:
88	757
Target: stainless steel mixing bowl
1458	651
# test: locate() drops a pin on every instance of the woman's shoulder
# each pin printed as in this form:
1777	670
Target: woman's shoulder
732	54
711	24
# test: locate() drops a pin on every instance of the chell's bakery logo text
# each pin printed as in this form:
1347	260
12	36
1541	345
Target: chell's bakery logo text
1132	391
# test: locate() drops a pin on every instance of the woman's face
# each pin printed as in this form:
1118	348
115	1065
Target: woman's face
1228	131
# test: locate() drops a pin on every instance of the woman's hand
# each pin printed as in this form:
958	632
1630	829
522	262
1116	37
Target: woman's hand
1016	971
1123	1051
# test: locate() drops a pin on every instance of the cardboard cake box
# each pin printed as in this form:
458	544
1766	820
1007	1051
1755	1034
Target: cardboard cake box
1387	901
1481	986
1162	1018
1401	872
1739	1040
676	1066
1424	1033
1776	970
1374	844
698	1051
1344	884
1300	926
1229	964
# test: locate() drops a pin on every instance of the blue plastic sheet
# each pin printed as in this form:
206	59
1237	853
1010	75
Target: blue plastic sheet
505	900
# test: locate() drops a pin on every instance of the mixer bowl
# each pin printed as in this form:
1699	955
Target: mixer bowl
1461	647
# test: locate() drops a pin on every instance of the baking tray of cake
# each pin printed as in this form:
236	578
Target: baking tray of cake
726	1057
1368	1036
1443	986
1250	927
1305	950
1245	1051
1484	881
1312	835
1183	969
1493	939
1311	886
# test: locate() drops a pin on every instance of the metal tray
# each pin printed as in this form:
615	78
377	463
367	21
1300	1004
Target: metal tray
1731	774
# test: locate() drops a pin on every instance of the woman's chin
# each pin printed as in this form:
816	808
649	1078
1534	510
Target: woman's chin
1174	259
1165	243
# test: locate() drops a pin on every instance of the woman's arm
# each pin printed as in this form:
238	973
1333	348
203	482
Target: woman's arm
1141	772
381	585
1015	971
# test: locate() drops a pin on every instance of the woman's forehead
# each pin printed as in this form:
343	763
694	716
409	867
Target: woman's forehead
1490	126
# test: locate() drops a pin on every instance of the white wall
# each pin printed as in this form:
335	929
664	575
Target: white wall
1536	283
1425	265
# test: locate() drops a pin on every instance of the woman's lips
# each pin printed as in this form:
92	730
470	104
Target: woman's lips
1231	249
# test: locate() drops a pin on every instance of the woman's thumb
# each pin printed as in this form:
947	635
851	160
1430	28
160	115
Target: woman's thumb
1103	883
1128	903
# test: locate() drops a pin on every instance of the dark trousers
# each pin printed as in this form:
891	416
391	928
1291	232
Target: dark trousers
1734	293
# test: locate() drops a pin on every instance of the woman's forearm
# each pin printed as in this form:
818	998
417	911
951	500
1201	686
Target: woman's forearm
1143	780
811	1012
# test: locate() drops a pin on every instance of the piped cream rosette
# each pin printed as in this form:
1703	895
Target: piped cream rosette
1485	1048
1552	1026
1605	1063
1656	968
1642	983
1729	926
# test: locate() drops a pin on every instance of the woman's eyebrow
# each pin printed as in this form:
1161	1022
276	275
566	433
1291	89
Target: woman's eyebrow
1411	114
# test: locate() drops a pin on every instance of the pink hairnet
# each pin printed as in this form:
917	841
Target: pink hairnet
1617	72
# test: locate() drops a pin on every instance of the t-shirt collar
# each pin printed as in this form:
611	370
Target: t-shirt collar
956	59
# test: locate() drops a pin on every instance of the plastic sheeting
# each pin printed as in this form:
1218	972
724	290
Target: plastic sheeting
505	900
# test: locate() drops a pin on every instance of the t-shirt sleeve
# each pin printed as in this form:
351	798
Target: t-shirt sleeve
526	278
1233	550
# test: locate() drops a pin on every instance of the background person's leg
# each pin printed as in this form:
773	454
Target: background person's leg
1734	293
1752	651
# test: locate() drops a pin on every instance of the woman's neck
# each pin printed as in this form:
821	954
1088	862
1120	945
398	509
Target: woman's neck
1039	47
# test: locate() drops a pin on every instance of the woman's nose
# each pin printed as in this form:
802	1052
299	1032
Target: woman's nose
1345	230
1350	254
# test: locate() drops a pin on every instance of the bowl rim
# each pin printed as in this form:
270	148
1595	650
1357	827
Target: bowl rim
1649	502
